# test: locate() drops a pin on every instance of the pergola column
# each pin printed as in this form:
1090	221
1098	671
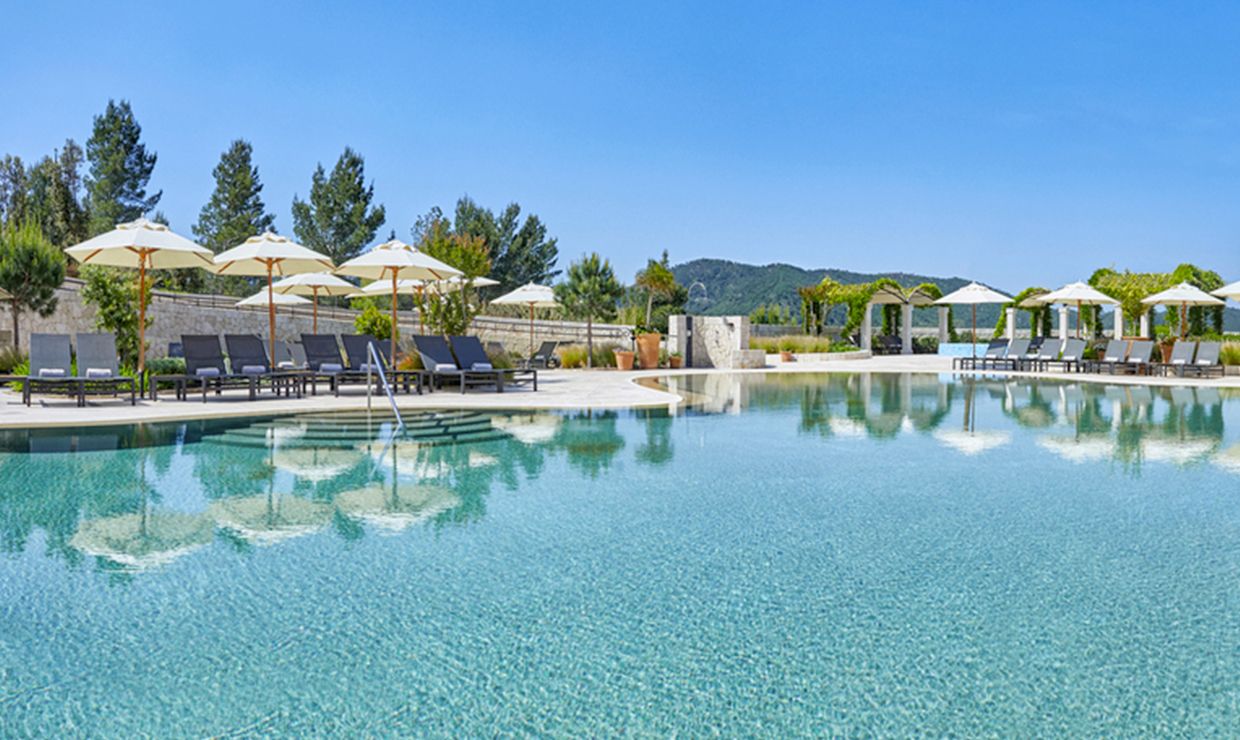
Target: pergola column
1119	322
944	335
1145	325
906	321
1011	323
1063	322
867	327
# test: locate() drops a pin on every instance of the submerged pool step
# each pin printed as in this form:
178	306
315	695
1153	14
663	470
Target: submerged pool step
330	435
456	437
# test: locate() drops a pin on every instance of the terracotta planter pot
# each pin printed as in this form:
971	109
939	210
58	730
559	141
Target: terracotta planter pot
624	360
648	349
785	356
1167	348
675	363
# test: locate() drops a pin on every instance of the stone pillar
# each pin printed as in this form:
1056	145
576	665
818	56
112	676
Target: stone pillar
1119	322
1063	322
906	324
944	335
1145	325
1011	323
867	327
676	331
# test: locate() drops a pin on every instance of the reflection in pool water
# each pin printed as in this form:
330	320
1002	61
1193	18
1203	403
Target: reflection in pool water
790	554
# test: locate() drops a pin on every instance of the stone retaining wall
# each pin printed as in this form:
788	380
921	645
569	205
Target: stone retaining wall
175	314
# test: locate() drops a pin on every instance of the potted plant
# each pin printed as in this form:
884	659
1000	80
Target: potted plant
786	347
648	342
1166	342
675	360
624	359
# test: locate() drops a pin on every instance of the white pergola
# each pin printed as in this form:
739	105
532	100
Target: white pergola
889	296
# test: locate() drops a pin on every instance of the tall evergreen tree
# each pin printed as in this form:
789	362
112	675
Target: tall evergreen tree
520	251
31	269
338	219
13	190
234	213
590	292
120	169
54	199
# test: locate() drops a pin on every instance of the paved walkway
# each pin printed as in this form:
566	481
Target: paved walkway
561	389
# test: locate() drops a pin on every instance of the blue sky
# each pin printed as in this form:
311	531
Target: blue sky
1013	143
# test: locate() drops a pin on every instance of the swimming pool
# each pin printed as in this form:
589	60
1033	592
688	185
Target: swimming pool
796	554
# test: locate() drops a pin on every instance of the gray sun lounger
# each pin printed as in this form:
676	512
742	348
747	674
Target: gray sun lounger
356	347
544	357
1113	356
1047	353
994	351
99	369
1012	359
1207	362
1182	355
51	367
206	369
1070	360
248	356
471	355
1139	357
441	365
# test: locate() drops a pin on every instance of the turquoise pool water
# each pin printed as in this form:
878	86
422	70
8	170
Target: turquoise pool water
844	554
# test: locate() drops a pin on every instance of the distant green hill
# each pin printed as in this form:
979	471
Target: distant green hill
722	287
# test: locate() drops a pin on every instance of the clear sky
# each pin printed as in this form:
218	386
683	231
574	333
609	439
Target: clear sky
1015	143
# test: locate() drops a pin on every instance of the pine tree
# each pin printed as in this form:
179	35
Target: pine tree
590	292
120	169
13	189
337	219
31	269
54	196
234	213
520	251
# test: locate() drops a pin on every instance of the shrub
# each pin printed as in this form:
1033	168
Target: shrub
574	356
10	357
374	322
800	344
1230	354
409	361
166	366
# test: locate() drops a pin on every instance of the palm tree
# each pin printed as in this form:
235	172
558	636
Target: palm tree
656	279
591	291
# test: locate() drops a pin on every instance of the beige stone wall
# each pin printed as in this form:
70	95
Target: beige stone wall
176	314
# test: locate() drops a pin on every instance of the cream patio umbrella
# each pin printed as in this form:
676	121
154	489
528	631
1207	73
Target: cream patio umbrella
1229	291
314	284
271	255
1082	294
395	260
532	295
973	294
142	245
1183	295
263	298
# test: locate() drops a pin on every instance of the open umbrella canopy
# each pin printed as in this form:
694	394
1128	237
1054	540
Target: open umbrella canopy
1229	291
1078	292
532	295
394	261
314	284
1184	294
270	253
972	294
415	287
270	518
263	298
142	245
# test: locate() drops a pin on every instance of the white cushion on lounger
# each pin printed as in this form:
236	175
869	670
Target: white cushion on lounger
207	372
481	366
445	367
98	372
330	367
366	367
287	365
51	372
253	369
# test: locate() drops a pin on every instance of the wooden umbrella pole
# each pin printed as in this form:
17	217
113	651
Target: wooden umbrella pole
271	319
141	313
1183	320
974	342
421	305
395	329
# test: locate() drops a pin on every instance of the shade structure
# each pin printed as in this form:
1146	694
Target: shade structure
271	255
394	261
263	298
973	294
314	284
532	295
1228	291
1081	294
1183	295
142	245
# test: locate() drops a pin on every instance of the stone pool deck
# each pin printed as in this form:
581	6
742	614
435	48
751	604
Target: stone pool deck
559	389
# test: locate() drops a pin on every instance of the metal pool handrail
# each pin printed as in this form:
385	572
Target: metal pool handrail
372	365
